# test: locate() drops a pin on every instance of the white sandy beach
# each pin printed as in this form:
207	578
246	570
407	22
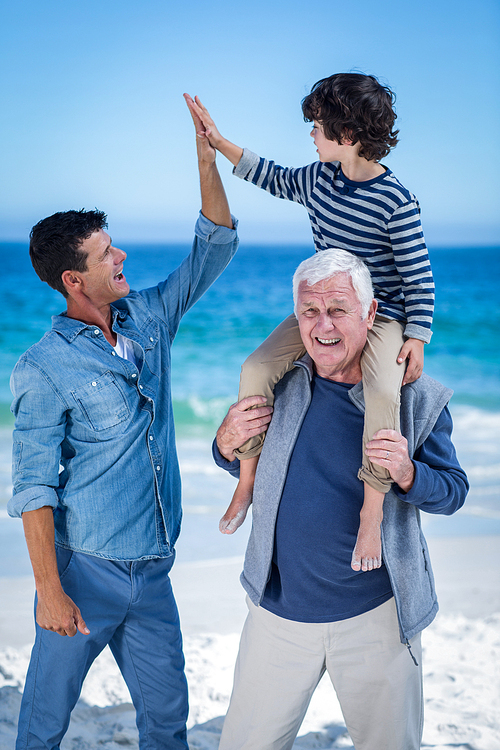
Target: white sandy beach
461	667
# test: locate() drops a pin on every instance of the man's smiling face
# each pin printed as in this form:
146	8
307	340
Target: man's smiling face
332	327
103	281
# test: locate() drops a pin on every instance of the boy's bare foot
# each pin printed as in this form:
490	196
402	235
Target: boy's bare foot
237	511
367	553
242	498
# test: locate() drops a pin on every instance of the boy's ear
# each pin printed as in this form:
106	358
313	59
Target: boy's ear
346	138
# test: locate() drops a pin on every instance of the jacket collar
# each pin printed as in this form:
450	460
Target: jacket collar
355	393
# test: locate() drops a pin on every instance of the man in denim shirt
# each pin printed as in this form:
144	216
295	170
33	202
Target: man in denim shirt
93	397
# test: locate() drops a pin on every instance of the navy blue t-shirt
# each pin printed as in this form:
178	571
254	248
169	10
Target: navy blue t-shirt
318	518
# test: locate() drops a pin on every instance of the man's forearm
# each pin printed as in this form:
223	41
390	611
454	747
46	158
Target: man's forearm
55	610
214	205
39	533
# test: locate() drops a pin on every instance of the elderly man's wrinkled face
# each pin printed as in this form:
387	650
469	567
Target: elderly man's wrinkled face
332	327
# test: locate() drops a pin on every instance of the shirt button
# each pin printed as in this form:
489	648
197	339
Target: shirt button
113	353
94	383
134	375
158	468
151	338
140	387
97	331
150	437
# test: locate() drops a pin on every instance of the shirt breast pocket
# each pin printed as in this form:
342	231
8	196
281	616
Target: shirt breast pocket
102	402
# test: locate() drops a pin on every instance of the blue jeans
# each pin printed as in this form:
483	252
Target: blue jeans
131	607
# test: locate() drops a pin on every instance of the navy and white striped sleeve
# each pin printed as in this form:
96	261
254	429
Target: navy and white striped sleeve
291	184
412	262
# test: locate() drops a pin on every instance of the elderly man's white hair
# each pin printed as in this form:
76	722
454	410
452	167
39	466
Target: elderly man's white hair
327	263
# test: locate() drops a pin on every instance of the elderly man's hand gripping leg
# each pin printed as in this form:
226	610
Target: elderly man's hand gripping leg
389	449
244	420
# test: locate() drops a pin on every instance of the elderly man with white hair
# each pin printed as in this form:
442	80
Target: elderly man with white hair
309	611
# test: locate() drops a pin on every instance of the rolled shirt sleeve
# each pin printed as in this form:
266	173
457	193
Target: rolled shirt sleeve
40	414
213	248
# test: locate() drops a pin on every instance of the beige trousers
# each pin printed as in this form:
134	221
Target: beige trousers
280	663
382	378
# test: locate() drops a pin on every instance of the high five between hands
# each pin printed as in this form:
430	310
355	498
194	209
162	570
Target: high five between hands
210	132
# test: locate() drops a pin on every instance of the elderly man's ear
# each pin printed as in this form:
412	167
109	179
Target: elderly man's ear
371	313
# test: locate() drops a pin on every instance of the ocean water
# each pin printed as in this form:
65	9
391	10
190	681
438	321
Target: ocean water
237	313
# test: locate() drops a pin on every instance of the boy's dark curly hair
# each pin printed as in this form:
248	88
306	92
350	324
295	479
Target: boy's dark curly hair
357	107
55	244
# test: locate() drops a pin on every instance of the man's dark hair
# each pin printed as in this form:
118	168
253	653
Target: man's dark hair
357	107
55	244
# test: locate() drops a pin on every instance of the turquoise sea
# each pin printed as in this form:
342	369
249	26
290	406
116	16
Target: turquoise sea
252	296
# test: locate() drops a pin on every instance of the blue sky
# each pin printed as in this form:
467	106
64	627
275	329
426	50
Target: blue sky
92	111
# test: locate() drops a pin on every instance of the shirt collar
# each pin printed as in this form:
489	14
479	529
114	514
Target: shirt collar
71	327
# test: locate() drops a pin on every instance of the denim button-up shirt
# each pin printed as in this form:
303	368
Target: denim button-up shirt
94	434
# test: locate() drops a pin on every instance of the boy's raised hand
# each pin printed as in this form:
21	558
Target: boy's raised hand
202	115
413	351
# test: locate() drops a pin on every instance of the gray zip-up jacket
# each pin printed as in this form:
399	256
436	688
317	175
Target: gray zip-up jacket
404	547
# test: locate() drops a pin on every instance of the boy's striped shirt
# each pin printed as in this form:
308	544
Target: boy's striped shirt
378	220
